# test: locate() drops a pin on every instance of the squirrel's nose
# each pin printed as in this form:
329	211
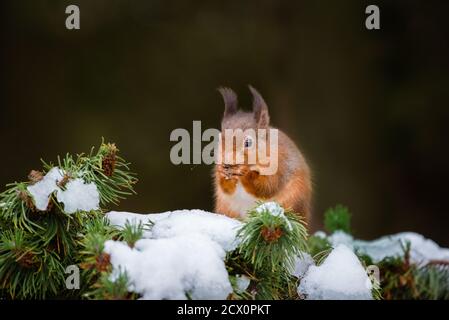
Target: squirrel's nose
226	166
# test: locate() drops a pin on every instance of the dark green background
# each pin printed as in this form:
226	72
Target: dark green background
369	108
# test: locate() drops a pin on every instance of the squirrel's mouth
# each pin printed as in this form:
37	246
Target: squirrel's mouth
231	170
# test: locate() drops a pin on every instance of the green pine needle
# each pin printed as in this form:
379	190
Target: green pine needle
270	244
337	219
36	246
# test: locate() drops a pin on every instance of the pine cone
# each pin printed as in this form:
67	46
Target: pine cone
35	176
50	205
27	199
109	160
271	235
103	262
27	260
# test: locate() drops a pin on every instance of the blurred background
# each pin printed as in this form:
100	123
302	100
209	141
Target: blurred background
369	108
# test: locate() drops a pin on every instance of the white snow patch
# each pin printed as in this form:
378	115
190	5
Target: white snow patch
173	268
320	234
218	228
119	218
42	190
242	282
340	277
181	255
79	196
302	263
272	207
275	210
340	237
422	250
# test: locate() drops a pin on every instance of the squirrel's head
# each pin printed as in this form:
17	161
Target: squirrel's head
242	127
233	118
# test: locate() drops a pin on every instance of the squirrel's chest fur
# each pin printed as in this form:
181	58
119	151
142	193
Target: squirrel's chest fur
239	200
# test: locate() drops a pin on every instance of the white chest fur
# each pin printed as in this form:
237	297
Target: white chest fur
240	201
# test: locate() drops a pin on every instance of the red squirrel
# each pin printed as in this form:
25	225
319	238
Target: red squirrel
238	186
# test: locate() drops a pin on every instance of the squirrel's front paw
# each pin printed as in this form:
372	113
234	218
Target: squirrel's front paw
222	172
254	169
242	170
228	184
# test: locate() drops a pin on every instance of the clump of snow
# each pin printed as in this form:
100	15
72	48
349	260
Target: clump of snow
272	207
173	268
119	218
422	250
180	256
242	282
275	210
219	228
79	196
320	234
340	237
340	277
42	190
302	263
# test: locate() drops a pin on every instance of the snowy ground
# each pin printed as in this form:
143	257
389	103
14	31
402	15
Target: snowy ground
340	277
183	254
422	250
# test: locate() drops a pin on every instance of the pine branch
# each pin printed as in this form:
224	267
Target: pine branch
36	246
271	239
338	218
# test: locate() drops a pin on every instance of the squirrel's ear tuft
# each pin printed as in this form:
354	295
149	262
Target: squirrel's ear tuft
260	109
230	100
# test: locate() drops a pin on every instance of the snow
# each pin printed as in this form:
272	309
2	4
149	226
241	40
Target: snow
182	256
77	196
218	228
42	190
173	268
242	282
273	207
320	234
340	237
119	218
275	210
422	250
302	263
185	251
340	277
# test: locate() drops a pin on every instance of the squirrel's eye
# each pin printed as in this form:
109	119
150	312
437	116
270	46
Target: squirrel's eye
248	142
